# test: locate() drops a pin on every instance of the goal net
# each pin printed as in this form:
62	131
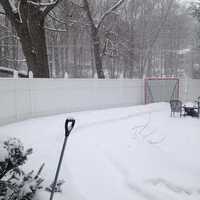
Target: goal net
161	89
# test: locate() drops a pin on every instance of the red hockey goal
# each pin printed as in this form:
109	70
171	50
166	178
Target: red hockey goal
161	89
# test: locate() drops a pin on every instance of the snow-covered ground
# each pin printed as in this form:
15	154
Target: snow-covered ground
117	154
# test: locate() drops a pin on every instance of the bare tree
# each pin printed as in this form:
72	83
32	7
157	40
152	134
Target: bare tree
28	18
95	27
163	20
82	37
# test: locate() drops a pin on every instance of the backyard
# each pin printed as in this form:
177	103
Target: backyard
99	99
126	153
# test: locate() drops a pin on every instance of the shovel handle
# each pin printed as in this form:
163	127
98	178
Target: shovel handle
69	125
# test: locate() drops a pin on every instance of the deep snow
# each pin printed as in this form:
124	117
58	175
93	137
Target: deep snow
117	154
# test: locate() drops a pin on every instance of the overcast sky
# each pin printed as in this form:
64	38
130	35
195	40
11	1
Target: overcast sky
188	1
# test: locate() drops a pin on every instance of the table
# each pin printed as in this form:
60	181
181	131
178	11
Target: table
190	110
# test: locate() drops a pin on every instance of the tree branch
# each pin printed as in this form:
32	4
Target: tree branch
41	4
86	7
5	28
162	23
11	12
9	36
2	13
62	21
8	9
114	7
55	29
50	7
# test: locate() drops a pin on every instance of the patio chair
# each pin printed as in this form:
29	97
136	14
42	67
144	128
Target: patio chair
176	107
197	108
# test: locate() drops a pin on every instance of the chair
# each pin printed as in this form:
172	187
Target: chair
197	108
176	107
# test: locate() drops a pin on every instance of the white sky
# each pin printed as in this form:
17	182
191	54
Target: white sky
188	1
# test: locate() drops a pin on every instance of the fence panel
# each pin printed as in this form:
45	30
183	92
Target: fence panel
25	98
189	89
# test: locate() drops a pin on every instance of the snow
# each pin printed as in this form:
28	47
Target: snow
3	153
6	69
128	153
15	72
13	4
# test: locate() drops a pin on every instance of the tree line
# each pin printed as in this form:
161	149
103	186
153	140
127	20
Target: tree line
103	39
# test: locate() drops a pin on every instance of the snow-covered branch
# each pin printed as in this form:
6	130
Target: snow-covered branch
44	6
68	22
9	36
15	60
50	6
110	10
5	28
52	3
62	21
88	12
2	13
55	29
9	7
13	5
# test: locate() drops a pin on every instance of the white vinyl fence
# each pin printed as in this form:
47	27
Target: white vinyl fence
189	89
25	98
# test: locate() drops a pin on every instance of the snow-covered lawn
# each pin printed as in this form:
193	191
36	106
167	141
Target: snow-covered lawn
133	153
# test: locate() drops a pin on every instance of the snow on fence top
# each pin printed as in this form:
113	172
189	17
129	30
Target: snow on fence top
8	72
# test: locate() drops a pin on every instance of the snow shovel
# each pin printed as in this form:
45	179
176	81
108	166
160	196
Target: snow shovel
69	125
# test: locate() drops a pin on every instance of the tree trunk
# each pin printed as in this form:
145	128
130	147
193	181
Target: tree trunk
29	25
92	60
75	65
14	51
37	34
26	43
6	48
97	53
33	41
